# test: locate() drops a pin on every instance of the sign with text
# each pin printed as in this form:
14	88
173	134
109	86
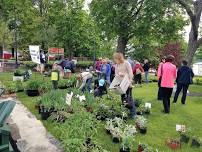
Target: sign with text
35	53
56	51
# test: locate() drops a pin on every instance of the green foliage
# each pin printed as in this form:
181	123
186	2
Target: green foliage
74	133
54	98
19	72
34	85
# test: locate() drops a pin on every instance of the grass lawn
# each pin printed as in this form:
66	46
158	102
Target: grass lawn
160	126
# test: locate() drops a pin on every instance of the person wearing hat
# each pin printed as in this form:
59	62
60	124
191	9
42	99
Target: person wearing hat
85	78
168	76
101	89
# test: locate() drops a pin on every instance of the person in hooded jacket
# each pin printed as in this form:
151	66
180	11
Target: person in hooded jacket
184	79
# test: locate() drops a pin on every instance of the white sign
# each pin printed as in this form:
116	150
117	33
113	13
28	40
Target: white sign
35	53
180	128
148	105
69	98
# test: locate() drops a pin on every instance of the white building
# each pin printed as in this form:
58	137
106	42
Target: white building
197	68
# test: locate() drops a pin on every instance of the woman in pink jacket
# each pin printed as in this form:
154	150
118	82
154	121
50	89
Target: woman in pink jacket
168	76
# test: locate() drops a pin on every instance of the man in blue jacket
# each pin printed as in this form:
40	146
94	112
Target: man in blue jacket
184	79
106	70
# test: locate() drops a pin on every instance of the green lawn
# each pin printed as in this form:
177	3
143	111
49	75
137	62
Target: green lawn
160	126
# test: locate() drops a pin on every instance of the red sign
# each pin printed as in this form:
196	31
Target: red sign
56	51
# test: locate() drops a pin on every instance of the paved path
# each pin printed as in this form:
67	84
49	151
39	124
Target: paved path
30	132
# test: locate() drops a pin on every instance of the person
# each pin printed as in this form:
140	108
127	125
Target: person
112	71
98	64
160	94
137	71
168	76
184	79
146	68
42	61
86	79
123	68
100	88
106	70
131	62
55	78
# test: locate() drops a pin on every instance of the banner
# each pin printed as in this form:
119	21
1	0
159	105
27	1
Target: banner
35	53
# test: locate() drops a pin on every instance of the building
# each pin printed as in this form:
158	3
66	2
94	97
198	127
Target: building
197	68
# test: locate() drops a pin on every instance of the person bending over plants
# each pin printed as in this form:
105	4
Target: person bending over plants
123	68
85	78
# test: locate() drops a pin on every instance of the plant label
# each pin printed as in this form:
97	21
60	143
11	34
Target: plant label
180	128
148	105
69	98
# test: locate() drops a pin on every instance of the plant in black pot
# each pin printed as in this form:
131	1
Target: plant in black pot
109	126
32	88
128	138
147	110
89	102
185	136
19	72
116	134
62	84
101	113
138	102
140	110
18	75
19	86
196	142
141	124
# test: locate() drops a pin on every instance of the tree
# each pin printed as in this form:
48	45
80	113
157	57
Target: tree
194	10
127	19
5	35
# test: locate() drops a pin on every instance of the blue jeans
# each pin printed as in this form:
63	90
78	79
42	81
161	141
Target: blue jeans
129	99
146	76
88	85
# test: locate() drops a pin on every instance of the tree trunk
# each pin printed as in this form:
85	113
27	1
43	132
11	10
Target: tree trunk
191	50
121	46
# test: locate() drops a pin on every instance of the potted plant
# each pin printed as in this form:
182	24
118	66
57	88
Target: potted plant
127	138
141	147
11	88
125	146
32	88
89	102
62	84
19	86
18	75
138	102
116	134
173	143
185	136
147	110
101	113
109	126
141	124
196	142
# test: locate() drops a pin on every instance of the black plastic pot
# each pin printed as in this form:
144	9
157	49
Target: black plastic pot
184	138
62	87
139	113
100	117
45	115
147	112
143	131
32	93
115	140
108	132
195	143
124	150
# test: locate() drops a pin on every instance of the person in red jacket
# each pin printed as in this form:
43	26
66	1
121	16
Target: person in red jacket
137	71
